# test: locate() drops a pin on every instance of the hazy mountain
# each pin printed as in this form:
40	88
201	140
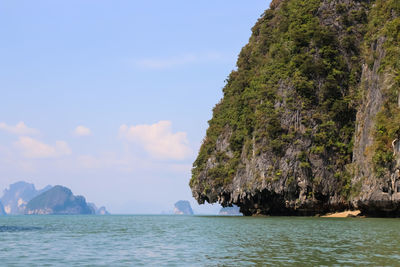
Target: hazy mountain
98	211
182	207
18	195
58	200
102	211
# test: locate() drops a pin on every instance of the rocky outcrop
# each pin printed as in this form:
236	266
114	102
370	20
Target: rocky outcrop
98	211
59	200
18	195
102	211
230	211
309	121
182	207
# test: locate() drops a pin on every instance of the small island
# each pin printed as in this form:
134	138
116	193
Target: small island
2	211
22	198
230	211
182	207
58	200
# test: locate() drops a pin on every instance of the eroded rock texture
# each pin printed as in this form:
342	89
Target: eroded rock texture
309	122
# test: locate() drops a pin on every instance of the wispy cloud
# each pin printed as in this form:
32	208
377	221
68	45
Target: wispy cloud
158	140
34	149
128	163
19	129
177	61
104	161
82	131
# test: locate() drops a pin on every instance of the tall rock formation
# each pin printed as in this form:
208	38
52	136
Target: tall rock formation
376	154
59	200
18	195
98	211
182	207
310	120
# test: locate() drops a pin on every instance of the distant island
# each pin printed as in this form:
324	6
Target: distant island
2	211
58	200
230	211
23	198
18	195
182	207
98	211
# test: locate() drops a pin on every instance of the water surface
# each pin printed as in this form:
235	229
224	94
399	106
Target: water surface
196	241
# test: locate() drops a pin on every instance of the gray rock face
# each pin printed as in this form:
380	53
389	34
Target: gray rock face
304	176
18	195
295	180
379	196
58	200
2	211
230	211
182	207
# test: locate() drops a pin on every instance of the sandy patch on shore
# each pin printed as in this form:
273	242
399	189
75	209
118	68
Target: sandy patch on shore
344	214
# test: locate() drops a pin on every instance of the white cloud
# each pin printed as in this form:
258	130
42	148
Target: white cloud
158	140
82	131
32	148
167	63
19	129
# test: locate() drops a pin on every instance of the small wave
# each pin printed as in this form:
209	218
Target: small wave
6	228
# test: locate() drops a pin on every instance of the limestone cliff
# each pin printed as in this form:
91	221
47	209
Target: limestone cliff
376	153
310	121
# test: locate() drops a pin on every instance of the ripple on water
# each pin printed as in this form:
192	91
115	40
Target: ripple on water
8	228
196	241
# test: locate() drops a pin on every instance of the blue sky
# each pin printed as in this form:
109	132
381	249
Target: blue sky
112	98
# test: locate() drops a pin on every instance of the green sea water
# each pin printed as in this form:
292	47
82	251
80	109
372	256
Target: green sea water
197	241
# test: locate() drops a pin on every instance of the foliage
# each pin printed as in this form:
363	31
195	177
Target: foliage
385	21
293	61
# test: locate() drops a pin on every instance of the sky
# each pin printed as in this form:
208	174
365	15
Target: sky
112	98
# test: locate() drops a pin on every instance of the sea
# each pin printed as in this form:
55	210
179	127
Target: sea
158	240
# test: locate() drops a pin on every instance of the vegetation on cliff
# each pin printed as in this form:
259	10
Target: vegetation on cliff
287	120
385	23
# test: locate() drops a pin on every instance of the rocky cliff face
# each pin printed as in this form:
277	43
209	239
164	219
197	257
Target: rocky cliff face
309	122
376	154
58	200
